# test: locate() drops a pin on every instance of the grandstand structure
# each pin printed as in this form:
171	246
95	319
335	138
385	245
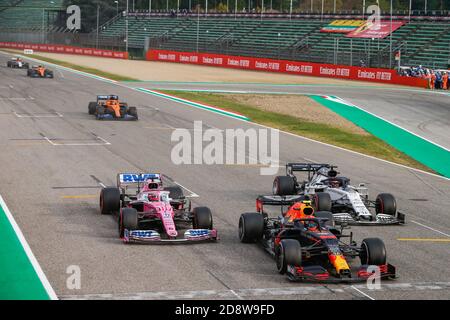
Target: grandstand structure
424	42
30	15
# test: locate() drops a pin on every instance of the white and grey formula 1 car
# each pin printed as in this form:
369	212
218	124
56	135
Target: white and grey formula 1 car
330	192
17	63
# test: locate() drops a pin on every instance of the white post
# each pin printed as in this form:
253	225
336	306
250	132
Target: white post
410	8
262	8
228	8
235	9
312	5
364	9
334	7
167	5
426	7
198	24
178	7
290	10
390	42
149	5
126	28
321	16
98	22
206	8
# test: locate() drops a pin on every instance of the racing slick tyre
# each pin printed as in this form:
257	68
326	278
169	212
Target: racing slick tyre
322	201
92	107
251	227
100	112
283	186
132	111
373	252
202	218
128	220
175	192
326	214
109	200
288	252
385	203
48	74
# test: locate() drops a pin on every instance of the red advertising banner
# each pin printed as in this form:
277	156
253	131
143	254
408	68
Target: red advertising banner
284	66
374	30
66	49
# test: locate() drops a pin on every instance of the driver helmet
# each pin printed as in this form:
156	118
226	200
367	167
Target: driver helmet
334	183
153	197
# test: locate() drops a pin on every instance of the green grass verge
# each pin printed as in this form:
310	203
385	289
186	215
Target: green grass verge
97	72
367	144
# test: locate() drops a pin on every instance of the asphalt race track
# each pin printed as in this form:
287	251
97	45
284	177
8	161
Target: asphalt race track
55	156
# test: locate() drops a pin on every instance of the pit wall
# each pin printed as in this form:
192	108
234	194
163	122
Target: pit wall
65	49
388	76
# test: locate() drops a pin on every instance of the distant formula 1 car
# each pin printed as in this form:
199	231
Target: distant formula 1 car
311	248
150	213
17	63
330	192
39	72
110	108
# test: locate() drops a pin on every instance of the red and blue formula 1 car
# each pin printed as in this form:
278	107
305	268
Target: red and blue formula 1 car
148	212
312	248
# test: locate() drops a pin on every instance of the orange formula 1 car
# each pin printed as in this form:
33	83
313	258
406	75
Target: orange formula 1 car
110	108
39	72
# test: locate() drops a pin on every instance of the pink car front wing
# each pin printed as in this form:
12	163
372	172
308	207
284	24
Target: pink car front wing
153	237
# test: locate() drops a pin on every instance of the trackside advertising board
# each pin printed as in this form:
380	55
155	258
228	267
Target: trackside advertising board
375	30
342	26
65	49
284	66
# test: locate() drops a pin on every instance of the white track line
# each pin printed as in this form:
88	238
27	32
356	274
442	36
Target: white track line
37	268
192	194
364	294
430	228
47	115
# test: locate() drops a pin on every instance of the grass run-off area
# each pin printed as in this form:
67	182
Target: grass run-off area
367	144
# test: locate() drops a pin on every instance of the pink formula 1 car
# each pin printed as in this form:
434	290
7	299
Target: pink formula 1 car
148	212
